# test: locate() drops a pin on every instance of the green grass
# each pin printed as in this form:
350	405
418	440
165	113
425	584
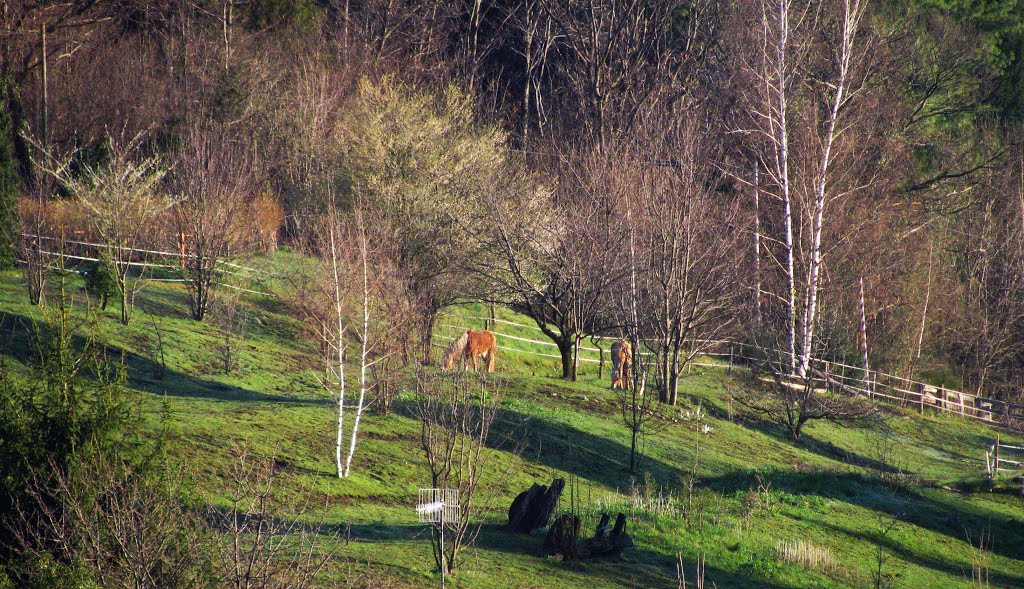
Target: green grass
754	488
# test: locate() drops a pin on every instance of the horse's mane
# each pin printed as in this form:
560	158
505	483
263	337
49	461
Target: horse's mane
455	349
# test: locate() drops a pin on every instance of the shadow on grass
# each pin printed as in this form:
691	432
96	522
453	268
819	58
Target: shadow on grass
637	567
567	448
961	568
840	454
945	515
17	342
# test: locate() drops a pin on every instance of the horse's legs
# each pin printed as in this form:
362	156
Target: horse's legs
490	361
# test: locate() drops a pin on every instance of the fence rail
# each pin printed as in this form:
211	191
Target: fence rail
834	376
142	261
830	375
995	458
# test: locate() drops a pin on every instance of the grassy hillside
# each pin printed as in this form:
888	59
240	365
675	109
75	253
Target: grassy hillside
912	491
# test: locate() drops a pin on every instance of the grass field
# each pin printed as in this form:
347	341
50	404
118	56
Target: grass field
912	491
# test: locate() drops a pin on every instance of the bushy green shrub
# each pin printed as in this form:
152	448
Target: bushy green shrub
99	280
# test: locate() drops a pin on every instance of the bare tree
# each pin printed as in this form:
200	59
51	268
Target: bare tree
836	90
232	320
612	54
638	410
988	254
121	200
538	39
554	255
688	234
772	70
126	528
791	401
809	64
263	542
345	297
214	177
31	250
456	412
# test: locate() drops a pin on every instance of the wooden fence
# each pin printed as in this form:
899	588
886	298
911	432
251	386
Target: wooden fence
829	375
996	457
717	354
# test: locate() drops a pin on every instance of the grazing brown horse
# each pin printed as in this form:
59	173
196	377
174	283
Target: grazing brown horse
622	358
471	345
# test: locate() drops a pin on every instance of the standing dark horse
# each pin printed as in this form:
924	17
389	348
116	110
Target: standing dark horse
470	345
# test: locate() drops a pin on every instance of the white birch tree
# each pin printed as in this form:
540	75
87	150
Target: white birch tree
772	69
343	299
838	92
800	115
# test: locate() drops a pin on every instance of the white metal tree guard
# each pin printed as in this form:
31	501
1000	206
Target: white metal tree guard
435	507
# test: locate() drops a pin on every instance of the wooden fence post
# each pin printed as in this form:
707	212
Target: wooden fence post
995	462
920	395
729	372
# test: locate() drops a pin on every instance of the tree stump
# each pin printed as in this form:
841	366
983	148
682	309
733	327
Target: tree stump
532	509
562	539
613	544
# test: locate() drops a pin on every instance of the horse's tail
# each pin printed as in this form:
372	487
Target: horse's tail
492	345
455	350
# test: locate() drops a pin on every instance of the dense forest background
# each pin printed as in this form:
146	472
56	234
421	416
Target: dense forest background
805	172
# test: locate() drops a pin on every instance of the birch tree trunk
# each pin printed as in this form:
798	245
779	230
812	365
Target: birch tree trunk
340	344
853	10
757	246
779	125
364	355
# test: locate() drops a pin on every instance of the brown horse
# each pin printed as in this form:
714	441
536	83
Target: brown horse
471	345
622	358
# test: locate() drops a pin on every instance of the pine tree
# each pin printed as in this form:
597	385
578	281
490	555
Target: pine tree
8	181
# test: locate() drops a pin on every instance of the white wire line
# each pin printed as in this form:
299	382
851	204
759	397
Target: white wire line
176	255
521	351
149	265
87	259
523	339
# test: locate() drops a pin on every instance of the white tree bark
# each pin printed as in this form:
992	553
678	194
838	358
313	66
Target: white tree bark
340	344
853	10
364	354
780	132
864	338
757	245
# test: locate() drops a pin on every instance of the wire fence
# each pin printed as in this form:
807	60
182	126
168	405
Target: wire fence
144	259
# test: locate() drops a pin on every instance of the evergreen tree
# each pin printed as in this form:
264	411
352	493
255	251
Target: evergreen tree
8	182
100	281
